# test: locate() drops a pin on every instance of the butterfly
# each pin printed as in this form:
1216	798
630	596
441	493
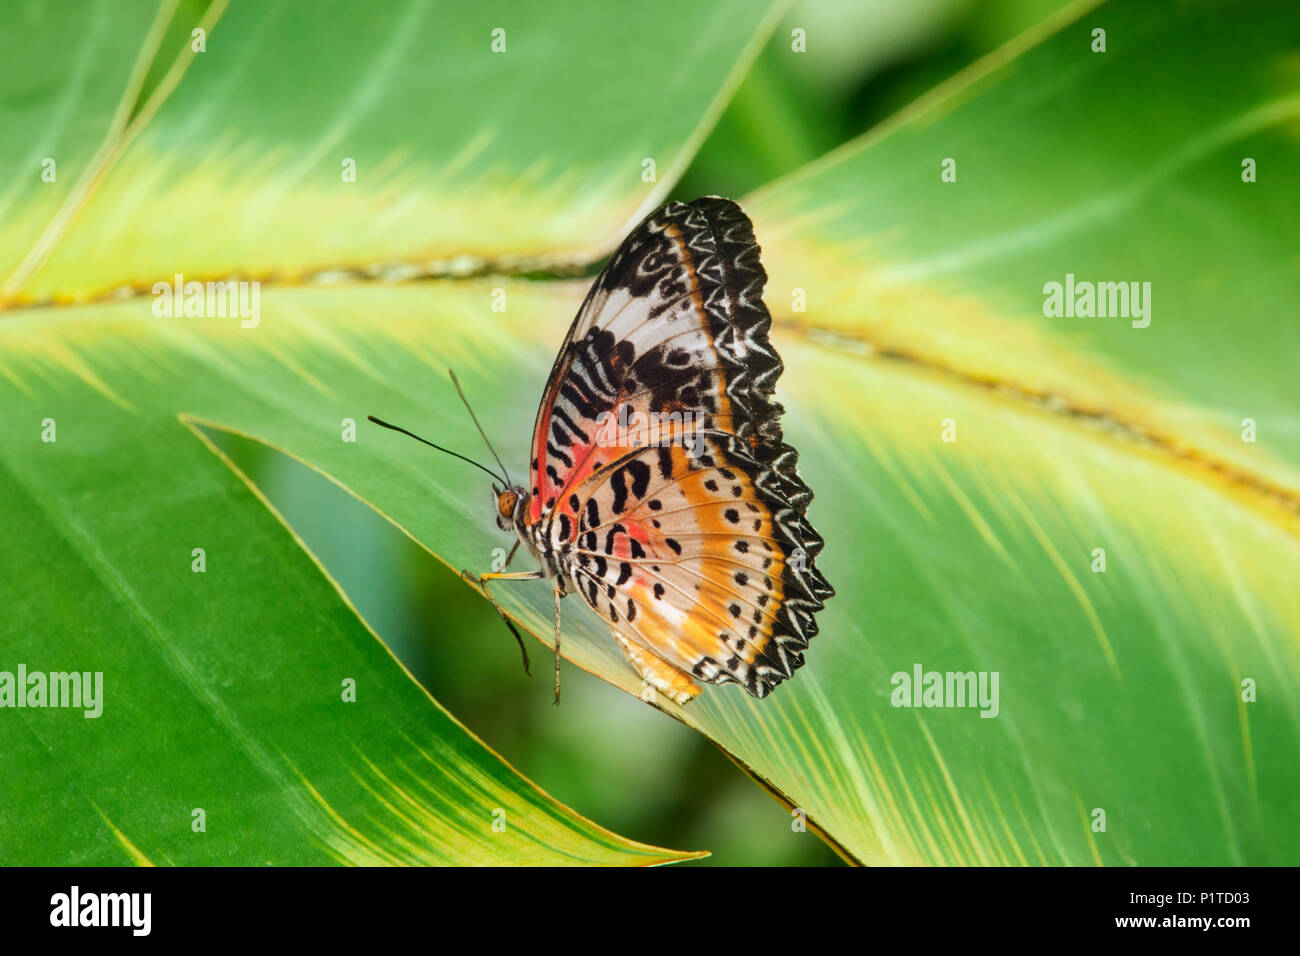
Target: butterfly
661	489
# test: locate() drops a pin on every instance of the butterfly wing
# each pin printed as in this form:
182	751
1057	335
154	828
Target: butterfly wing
696	548
700	569
639	335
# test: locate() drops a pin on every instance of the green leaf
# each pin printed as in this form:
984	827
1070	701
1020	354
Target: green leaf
224	689
62	102
1116	166
464	157
1120	690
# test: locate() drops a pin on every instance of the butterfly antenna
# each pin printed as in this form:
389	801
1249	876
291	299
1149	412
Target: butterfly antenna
459	391
397	428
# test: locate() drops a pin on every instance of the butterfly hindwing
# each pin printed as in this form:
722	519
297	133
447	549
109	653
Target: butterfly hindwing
689	569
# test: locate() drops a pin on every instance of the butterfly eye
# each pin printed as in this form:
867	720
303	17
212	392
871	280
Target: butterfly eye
506	504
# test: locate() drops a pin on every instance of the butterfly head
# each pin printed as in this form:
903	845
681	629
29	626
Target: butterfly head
511	504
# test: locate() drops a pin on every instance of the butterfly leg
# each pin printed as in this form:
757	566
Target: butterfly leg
675	684
559	593
482	579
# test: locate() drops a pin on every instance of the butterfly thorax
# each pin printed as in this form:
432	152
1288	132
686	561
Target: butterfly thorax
513	513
